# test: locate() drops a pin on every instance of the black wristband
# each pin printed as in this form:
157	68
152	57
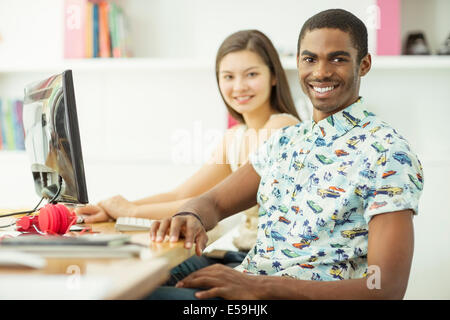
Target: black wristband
187	213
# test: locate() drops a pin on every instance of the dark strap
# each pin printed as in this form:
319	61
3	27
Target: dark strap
187	213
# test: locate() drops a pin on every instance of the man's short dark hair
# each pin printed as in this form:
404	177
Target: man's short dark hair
342	20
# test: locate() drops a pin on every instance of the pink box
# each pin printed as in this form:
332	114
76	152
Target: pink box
389	34
74	28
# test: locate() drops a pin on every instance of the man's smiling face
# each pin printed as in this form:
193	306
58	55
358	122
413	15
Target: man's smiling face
329	70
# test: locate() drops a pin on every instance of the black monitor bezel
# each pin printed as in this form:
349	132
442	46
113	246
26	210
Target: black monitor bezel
74	136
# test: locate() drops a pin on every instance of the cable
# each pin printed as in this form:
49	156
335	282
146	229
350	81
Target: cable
8	225
23	212
58	192
52	201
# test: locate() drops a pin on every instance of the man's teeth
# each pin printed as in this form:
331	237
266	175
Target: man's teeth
322	90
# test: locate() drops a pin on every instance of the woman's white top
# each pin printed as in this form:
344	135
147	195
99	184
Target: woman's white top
248	228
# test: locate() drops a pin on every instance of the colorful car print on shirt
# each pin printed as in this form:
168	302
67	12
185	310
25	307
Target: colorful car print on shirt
372	131
388	173
352	120
284	220
357	232
381	161
369	174
290	254
302	244
341	153
323	159
390	191
320	142
377	205
296	209
402	157
327	193
263	198
377	146
308	236
314	207
277	236
419	177
336	189
416	181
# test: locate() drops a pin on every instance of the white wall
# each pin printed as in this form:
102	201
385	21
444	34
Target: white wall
205	23
128	119
417	104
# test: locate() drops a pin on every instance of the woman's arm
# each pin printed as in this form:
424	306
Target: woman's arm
165	204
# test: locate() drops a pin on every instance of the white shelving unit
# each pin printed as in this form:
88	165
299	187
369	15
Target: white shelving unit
431	62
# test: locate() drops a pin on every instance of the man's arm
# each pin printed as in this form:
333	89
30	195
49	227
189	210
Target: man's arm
390	249
234	194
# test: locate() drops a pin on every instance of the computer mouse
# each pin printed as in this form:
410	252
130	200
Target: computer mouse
21	259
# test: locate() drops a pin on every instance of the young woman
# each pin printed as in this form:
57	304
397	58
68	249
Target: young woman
255	90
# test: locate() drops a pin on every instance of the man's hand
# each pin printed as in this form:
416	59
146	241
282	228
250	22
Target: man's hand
188	226
222	281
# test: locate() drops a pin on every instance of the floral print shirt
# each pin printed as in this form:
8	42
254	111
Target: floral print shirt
320	185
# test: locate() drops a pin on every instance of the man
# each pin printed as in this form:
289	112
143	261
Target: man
336	194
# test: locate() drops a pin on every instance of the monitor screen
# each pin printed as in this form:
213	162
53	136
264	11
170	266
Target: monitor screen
52	139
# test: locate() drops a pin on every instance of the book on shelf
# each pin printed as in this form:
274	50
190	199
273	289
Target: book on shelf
95	52
12	135
19	132
94	28
89	31
104	34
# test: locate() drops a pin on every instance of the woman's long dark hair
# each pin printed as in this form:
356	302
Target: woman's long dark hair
259	43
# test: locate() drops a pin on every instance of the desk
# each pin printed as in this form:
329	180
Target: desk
130	278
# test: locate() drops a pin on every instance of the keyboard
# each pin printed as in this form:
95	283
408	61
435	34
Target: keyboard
133	224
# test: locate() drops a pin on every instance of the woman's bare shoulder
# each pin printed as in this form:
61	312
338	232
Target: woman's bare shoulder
278	121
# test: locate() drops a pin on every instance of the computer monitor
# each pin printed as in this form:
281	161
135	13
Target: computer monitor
52	139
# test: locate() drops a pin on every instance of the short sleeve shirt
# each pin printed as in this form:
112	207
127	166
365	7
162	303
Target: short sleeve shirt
321	183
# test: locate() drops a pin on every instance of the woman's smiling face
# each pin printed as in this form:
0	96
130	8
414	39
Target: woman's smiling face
245	81
329	72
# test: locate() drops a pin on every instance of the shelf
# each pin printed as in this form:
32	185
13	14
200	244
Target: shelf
411	62
151	64
394	62
108	64
12	153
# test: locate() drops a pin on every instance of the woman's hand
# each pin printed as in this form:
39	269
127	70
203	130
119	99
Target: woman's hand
108	209
187	225
92	213
118	206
